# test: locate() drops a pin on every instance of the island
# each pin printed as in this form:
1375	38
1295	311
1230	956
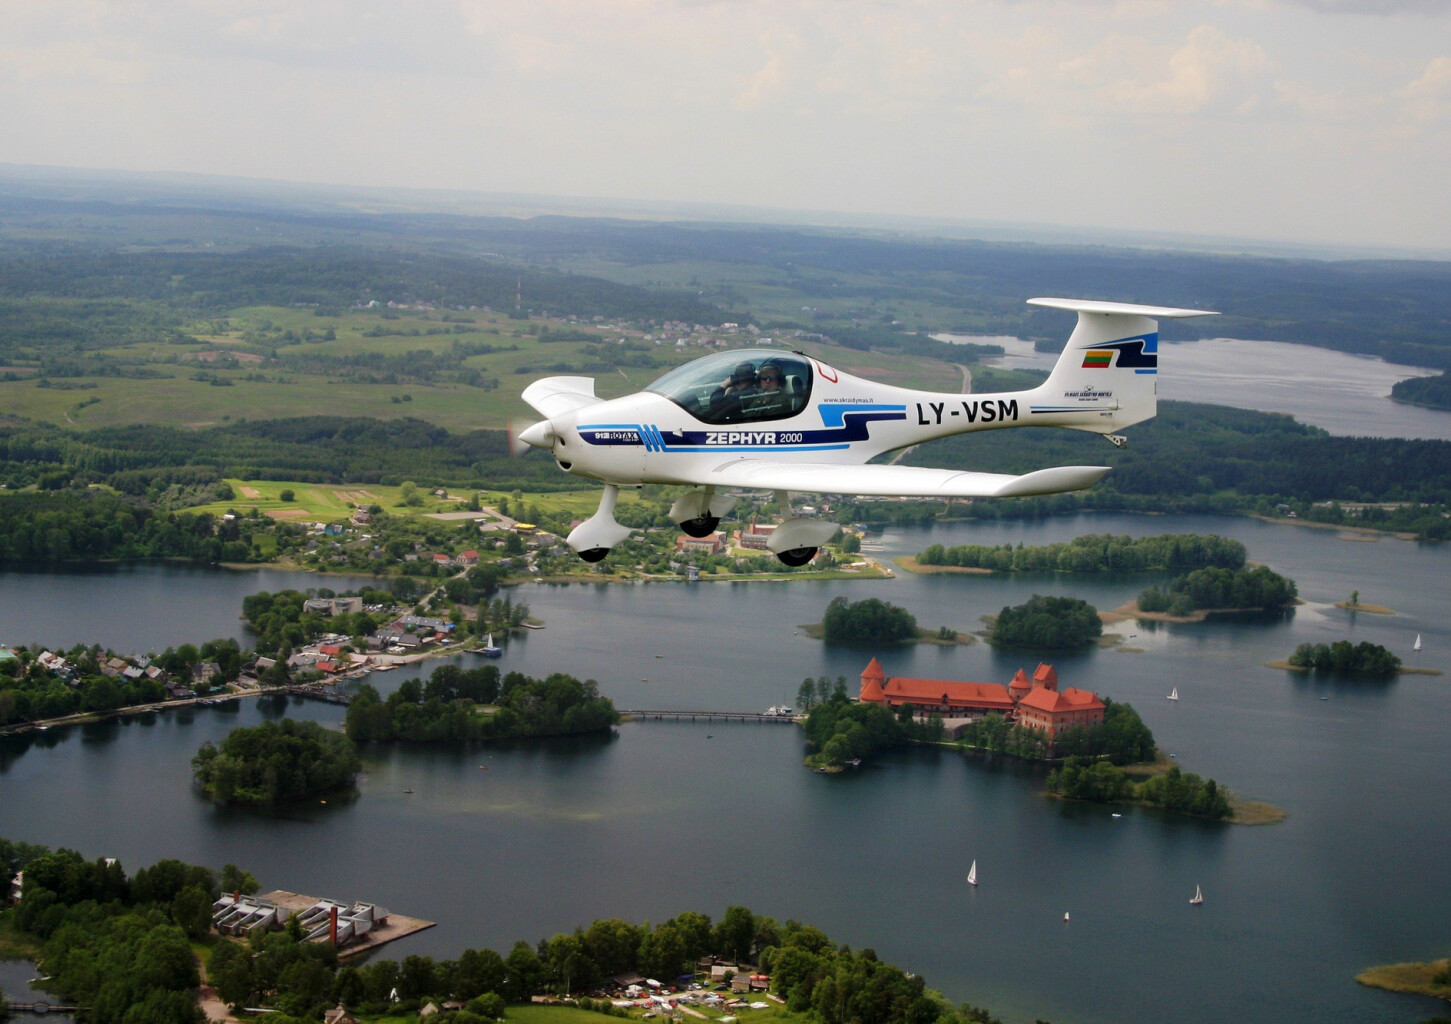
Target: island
460	705
1047	623
1101	749
277	762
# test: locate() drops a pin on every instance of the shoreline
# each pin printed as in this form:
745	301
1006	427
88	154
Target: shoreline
1413	978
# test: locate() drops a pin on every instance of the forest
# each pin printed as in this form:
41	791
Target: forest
1095	553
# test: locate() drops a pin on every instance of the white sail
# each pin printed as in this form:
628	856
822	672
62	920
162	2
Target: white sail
972	874
1174	693
1417	645
1198	897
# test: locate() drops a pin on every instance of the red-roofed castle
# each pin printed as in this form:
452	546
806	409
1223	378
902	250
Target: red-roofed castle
1035	703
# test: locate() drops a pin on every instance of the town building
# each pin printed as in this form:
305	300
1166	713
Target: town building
1035	703
712	544
755	536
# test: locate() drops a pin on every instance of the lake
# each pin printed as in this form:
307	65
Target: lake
1342	393
502	843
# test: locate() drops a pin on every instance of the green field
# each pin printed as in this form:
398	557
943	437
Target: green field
238	367
336	502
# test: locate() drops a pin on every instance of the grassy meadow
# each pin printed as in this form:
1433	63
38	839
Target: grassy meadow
228	373
323	503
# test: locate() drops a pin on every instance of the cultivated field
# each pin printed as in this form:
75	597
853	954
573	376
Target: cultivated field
272	362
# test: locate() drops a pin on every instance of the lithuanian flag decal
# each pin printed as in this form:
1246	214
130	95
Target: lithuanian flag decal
1097	359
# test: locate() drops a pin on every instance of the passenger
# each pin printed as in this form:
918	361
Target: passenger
743	381
726	403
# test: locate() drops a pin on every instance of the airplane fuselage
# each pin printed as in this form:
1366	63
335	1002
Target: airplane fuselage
651	438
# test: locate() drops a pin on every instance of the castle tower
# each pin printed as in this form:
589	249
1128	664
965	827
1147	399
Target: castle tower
872	679
1045	678
1019	687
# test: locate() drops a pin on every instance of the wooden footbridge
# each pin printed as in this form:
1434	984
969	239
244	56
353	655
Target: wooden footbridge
704	716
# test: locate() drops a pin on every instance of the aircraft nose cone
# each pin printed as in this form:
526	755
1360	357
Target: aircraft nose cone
540	435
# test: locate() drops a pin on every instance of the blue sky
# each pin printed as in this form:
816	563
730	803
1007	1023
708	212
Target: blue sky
1306	121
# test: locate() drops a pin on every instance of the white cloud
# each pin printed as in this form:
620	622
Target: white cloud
1014	109
1427	100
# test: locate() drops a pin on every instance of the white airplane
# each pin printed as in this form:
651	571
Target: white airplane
762	419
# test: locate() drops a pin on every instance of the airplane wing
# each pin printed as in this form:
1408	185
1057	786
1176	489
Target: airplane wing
554	395
897	481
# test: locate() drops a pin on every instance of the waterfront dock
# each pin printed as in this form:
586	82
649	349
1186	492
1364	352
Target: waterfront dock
394	927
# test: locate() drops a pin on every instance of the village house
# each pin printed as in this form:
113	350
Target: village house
1034	703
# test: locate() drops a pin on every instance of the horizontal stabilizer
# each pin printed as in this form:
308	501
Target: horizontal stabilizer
898	481
554	395
1120	308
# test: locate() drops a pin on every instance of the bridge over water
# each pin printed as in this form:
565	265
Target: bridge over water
40	1008
647	715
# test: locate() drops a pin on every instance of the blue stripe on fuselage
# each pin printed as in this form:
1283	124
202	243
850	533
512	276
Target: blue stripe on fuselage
845	424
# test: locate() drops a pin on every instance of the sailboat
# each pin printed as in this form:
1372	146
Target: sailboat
1174	694
1198	897
489	650
1417	645
972	874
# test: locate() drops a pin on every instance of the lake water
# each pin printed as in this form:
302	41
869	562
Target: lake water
498	844
1345	394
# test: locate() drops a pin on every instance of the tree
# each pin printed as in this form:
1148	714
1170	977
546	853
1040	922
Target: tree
234	880
230	971
525	973
477	972
734	934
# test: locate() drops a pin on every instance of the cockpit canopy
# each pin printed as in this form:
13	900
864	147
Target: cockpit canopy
743	386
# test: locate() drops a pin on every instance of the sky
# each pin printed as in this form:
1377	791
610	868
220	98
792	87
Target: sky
1300	121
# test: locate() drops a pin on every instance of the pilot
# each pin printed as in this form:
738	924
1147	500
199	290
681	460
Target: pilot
771	398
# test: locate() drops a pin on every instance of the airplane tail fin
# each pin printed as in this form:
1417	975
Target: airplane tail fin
1108	370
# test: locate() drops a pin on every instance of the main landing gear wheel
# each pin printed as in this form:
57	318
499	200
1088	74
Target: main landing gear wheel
796	556
700	526
594	554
